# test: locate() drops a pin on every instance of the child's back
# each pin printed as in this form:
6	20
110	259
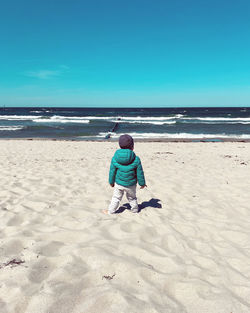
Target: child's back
126	169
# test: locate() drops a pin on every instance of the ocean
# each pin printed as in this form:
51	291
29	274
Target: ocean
141	123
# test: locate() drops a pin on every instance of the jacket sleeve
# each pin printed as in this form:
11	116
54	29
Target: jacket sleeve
140	174
112	173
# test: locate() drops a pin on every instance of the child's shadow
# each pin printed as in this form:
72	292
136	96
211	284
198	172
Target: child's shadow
153	203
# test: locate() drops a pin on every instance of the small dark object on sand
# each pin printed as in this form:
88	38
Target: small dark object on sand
108	277
13	262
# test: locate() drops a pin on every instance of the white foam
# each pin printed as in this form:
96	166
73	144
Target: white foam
219	121
145	122
227	119
114	119
100	117
19	117
62	117
39	118
55	120
132	118
175	135
10	128
148	118
239	122
161	120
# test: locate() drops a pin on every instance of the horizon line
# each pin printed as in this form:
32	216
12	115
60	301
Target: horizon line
122	107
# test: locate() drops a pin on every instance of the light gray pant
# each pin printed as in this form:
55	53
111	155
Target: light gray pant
117	197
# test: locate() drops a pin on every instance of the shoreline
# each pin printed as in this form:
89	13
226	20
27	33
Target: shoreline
168	140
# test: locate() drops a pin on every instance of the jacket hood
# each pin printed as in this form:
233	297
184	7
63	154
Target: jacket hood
124	156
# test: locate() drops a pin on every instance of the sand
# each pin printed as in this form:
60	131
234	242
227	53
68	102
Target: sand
188	250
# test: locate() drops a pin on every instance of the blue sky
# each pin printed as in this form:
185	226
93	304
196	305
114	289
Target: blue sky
125	53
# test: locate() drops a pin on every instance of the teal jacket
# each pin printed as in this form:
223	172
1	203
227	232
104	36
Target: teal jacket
126	169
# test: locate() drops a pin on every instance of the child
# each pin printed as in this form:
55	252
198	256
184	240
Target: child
125	171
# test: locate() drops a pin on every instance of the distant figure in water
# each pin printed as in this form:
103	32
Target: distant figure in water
125	171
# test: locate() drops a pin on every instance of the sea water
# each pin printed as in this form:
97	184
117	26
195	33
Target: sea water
110	123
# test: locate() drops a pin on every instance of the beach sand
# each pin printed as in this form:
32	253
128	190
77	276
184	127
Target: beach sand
188	250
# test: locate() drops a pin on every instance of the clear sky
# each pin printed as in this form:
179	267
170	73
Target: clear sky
125	53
